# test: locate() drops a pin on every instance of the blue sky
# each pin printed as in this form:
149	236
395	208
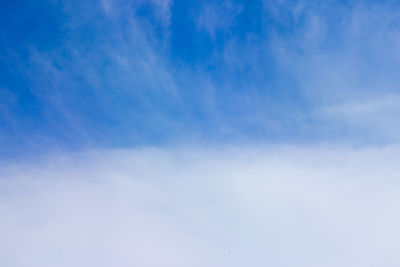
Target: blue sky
129	73
199	133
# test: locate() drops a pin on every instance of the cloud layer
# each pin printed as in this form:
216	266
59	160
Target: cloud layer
226	206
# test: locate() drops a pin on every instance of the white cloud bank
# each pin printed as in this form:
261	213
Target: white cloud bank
243	206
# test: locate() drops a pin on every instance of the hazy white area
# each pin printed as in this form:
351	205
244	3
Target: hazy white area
237	206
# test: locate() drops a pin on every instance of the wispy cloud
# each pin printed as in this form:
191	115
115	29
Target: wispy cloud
89	75
122	73
217	16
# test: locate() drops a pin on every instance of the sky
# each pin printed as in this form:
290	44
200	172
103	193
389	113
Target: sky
199	133
122	73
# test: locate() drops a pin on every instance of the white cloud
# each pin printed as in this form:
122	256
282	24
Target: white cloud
366	108
340	54
215	17
378	114
238	206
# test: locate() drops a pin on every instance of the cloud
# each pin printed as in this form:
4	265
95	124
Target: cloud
369	109
215	17
342	60
188	206
340	53
123	73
